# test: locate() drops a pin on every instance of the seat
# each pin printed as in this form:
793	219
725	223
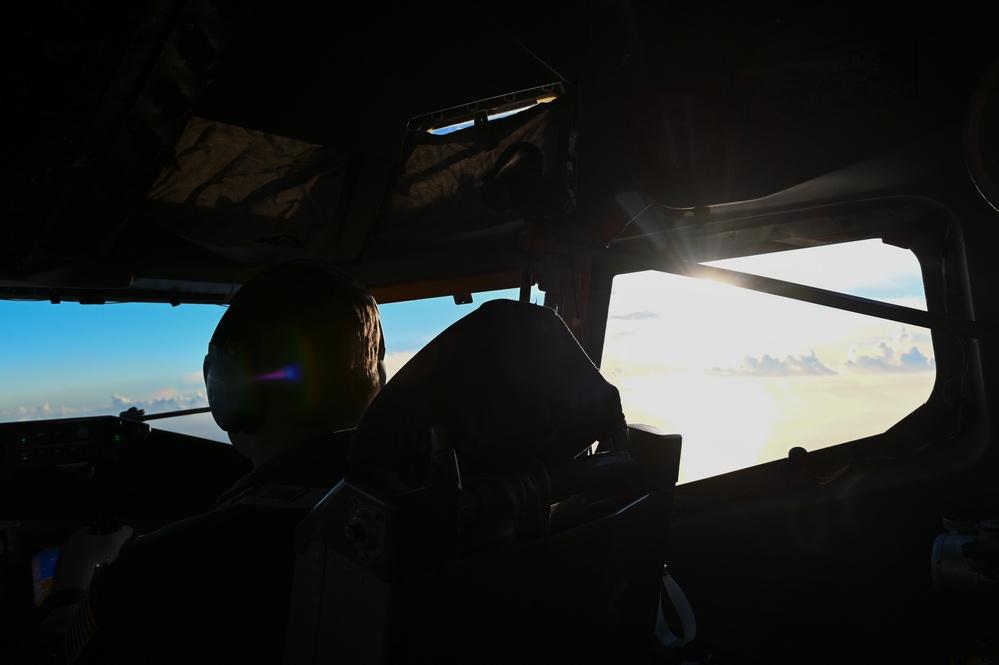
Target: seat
497	507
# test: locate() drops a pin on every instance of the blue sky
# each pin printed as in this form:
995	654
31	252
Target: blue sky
72	360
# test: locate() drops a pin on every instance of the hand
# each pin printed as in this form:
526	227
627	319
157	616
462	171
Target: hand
83	552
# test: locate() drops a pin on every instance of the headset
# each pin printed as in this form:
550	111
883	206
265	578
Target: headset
229	386
235	402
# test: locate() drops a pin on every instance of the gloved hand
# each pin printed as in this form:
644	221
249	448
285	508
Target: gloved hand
84	551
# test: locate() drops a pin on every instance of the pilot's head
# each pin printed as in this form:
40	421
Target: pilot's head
298	352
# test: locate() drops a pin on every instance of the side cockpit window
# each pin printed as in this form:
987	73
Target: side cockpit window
746	376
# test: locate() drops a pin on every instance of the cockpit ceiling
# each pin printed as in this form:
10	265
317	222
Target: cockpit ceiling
197	141
169	149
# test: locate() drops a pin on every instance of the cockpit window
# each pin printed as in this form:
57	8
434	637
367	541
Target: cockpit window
410	325
746	376
71	361
453	119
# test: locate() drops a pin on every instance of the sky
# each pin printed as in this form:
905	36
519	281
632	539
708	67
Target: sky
746	376
70	360
742	376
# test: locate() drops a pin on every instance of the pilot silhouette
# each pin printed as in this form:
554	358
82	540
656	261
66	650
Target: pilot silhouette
290	369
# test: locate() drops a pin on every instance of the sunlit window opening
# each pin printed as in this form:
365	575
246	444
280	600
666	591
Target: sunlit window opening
452	120
746	376
69	360
410	325
447	129
74	361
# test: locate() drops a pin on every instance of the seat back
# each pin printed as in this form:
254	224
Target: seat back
466	533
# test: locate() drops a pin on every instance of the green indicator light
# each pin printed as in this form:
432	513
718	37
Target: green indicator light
117	437
24	458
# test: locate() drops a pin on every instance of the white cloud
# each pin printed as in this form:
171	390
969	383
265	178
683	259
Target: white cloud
769	366
636	316
195	378
395	361
164	402
42	412
897	353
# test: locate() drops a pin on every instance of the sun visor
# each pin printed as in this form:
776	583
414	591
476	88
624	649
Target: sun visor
229	186
439	193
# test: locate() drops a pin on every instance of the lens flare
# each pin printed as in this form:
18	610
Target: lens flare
289	373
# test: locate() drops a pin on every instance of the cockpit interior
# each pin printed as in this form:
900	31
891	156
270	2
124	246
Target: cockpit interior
746	419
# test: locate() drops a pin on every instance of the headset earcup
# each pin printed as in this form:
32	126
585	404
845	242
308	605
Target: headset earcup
234	405
218	400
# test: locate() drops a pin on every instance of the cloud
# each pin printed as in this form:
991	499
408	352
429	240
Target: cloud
912	360
636	316
892	354
616	368
43	412
395	361
158	404
803	365
161	404
195	377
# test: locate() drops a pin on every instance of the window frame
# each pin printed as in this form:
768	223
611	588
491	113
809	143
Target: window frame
934	238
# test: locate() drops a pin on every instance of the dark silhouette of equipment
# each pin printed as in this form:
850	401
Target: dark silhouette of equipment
481	522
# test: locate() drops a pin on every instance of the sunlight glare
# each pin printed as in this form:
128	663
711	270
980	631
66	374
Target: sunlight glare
745	376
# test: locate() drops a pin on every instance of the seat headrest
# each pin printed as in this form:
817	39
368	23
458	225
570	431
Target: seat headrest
506	381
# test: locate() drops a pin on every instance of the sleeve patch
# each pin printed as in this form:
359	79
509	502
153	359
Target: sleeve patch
80	633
